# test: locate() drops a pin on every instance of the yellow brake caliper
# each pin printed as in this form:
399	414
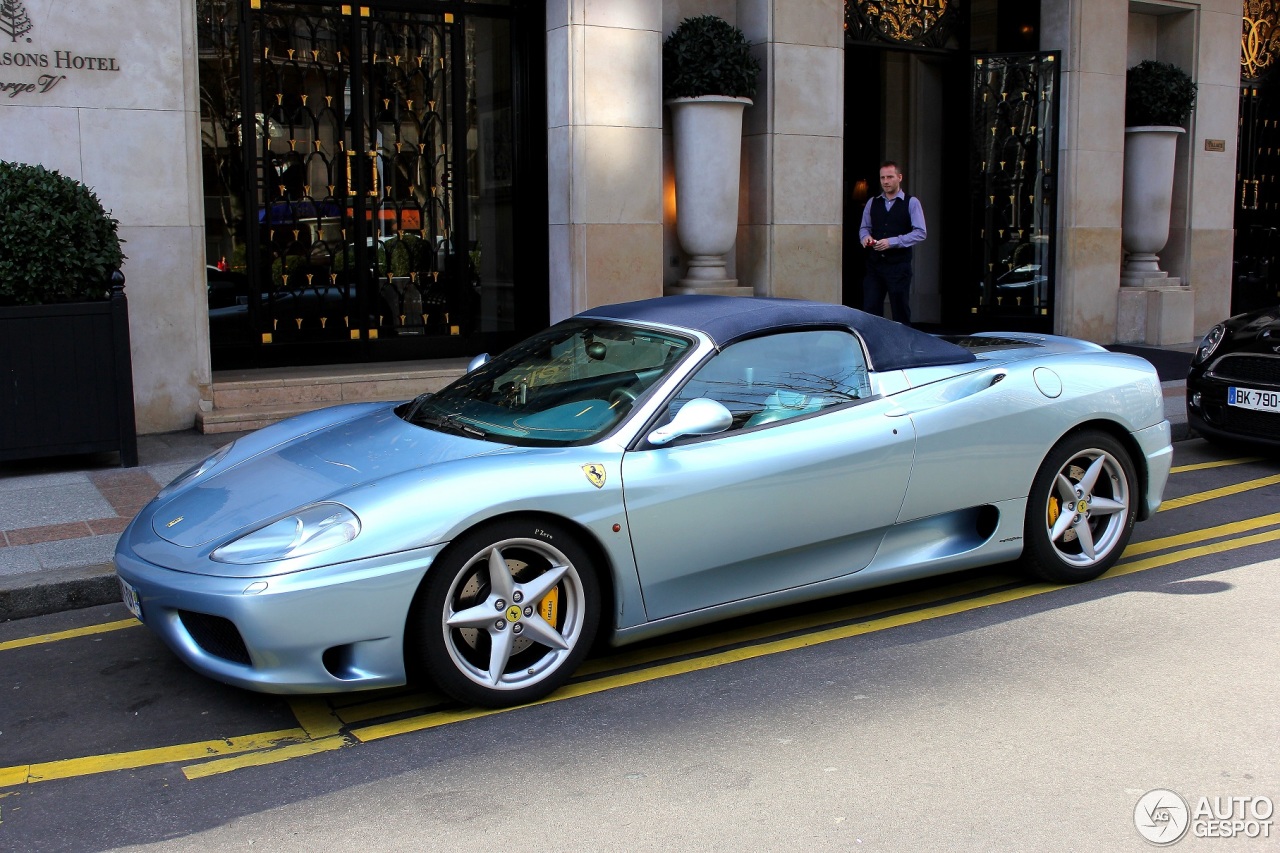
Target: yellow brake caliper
549	607
1055	509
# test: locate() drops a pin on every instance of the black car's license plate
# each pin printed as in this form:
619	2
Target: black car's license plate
1252	398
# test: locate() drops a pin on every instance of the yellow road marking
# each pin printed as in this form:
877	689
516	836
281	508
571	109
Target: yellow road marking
586	688
321	727
441	718
69	767
315	716
1128	568
753	633
68	634
1166	542
271	756
1217	463
1225	491
363	712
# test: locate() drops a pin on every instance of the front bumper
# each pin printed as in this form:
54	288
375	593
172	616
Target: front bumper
1209	415
327	630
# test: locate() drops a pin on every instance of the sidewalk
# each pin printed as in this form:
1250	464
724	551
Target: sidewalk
60	518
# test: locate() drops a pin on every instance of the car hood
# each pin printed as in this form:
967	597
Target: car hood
1257	331
300	471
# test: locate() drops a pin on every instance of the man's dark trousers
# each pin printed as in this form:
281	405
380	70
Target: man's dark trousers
892	277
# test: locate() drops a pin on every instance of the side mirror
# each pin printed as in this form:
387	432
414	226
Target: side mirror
699	416
479	361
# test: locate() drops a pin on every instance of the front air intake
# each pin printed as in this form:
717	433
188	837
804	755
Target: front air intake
216	636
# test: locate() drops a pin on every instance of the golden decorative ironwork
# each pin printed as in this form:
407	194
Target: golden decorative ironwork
1259	37
901	21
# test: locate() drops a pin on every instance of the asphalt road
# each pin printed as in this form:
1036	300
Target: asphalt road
975	712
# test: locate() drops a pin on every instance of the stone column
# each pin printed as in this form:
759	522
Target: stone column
1092	35
789	237
604	152
1210	236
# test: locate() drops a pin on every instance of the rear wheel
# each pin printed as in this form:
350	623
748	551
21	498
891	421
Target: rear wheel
506	614
1081	510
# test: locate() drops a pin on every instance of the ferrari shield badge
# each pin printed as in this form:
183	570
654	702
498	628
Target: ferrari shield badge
595	473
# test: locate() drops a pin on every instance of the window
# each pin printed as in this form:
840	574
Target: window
783	376
567	385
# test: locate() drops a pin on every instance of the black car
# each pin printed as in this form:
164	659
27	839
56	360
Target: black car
1233	388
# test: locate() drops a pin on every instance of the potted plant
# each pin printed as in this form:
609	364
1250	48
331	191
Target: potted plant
1158	100
66	376
708	78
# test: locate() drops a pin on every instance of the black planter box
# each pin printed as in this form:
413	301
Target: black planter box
66	379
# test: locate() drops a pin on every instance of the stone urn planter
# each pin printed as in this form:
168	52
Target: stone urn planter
707	142
708	78
1158	99
1149	154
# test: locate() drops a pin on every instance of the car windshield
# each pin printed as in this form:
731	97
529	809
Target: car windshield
567	385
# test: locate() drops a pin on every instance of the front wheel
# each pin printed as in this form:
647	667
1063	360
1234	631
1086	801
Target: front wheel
1081	510
506	614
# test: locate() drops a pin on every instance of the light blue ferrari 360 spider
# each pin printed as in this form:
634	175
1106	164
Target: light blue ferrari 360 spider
633	470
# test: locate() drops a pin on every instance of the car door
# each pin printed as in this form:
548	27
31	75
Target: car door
799	490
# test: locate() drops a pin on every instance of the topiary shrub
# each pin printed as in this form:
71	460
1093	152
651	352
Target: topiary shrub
1157	93
57	244
707	55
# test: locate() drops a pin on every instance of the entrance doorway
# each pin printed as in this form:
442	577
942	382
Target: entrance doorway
371	190
908	107
957	94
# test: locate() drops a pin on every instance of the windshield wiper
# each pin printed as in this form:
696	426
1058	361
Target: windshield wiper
449	423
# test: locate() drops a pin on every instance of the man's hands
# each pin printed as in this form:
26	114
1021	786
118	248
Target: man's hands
873	243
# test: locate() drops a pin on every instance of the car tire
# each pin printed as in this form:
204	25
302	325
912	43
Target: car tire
1081	510
506	614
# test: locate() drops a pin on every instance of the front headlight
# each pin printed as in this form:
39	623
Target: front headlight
1210	344
197	470
308	531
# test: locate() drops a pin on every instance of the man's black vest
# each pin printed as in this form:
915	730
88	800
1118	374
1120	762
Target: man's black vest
891	222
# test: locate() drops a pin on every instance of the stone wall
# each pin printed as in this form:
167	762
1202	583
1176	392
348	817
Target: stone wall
1100	40
106	93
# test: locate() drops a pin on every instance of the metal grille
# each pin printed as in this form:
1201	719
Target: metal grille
1249	422
217	636
1015	118
1259	369
363	178
354	163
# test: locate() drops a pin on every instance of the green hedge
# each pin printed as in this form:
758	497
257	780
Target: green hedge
59	244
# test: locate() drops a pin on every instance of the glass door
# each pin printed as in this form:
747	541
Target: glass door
1014	172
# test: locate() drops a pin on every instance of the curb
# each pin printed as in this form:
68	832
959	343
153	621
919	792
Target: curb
60	589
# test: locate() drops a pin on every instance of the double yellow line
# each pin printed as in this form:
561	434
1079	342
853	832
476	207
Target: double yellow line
323	728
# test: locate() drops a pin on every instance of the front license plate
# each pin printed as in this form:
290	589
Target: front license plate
130	598
1251	398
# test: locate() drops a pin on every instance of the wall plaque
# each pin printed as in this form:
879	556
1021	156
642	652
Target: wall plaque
29	69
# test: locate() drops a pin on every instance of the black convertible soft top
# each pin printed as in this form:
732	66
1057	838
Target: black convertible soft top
725	319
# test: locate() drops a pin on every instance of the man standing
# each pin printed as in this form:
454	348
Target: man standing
892	223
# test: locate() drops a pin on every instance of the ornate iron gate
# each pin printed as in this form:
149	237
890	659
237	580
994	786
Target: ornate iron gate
1015	152
356	178
1256	260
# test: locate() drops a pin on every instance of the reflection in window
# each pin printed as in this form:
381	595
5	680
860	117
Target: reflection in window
779	377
